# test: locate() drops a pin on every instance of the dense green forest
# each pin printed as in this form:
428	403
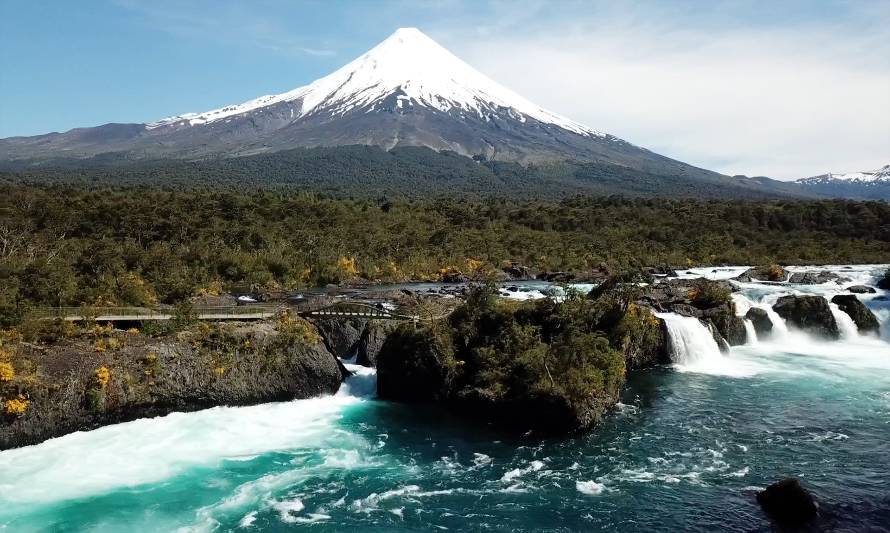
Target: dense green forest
74	246
406	173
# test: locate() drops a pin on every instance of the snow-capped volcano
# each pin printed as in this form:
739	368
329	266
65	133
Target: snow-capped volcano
407	91
410	67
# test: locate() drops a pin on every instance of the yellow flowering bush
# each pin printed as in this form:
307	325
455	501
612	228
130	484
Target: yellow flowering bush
17	406
103	376
7	373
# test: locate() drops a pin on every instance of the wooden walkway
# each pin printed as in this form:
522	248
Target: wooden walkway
344	309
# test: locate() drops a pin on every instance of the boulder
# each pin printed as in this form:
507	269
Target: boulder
815	278
863	317
762	273
808	313
788	503
861	289
761	320
729	326
372	340
515	271
884	283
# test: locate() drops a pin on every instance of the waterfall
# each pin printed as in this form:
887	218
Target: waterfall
780	328
750	332
689	341
848	328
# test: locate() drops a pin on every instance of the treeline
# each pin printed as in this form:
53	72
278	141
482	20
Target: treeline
71	246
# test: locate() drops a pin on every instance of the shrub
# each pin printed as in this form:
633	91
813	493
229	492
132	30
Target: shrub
103	376
7	372
17	406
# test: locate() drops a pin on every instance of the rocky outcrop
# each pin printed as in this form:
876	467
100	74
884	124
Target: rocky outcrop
763	273
518	272
342	336
372	340
863	317
815	278
861	289
808	313
707	300
414	366
788	503
533	366
108	376
763	325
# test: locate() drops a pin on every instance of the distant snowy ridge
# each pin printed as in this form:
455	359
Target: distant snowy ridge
882	175
409	66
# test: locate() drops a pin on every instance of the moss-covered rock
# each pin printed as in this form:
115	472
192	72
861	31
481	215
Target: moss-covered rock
545	366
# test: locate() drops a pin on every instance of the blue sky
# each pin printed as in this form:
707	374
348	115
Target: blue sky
751	87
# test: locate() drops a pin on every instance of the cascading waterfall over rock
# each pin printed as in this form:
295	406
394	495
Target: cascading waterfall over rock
780	328
848	328
750	332
689	341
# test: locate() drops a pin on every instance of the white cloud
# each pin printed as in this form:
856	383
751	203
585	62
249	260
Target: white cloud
785	101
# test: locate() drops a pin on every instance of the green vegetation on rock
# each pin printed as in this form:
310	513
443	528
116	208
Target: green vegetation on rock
545	365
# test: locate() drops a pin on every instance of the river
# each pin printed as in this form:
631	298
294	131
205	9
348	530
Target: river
685	450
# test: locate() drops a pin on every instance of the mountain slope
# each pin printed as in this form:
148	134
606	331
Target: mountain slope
873	185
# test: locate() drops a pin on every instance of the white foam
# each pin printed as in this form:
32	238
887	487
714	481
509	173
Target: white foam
590	488
153	449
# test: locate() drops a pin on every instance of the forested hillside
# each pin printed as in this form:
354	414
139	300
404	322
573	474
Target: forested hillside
370	172
70	246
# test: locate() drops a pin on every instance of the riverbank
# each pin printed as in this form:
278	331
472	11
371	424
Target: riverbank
694	440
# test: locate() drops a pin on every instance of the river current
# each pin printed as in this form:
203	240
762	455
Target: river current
685	450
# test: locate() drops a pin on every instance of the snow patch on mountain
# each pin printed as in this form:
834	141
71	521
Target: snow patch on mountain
411	66
882	175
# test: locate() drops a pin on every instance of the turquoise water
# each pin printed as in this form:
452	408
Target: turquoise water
685	451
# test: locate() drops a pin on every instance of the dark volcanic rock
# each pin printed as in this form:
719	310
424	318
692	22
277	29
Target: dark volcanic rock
762	273
815	278
861	289
517	272
788	503
808	313
341	335
863	317
372	340
730	327
762	323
